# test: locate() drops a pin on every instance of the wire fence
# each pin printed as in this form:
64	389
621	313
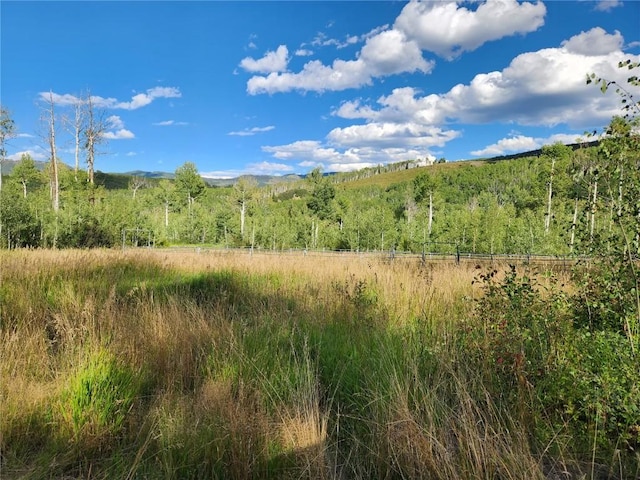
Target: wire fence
455	256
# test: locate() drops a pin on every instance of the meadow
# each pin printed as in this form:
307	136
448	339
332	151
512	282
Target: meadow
216	364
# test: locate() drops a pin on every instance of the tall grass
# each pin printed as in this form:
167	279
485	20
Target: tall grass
161	364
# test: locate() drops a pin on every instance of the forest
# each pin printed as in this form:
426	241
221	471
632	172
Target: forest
547	204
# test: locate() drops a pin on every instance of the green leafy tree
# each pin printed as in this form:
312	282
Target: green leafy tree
26	173
322	194
20	225
609	297
7	131
189	183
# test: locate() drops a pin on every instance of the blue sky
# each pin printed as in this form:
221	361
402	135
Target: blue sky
282	87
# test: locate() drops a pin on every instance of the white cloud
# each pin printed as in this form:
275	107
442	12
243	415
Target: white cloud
388	134
271	62
312	153
167	123
443	28
321	40
595	42
137	101
303	52
131	154
122	134
222	174
519	143
448	29
391	52
607	5
261	168
115	122
251	131
384	54
24	135
118	132
37	153
522	143
546	87
268	168
62	100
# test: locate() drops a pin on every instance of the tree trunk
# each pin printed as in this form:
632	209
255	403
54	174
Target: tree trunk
593	208
166	214
547	220
90	140
430	214
242	213
55	184
573	225
77	126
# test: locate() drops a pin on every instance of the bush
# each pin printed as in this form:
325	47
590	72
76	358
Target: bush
84	232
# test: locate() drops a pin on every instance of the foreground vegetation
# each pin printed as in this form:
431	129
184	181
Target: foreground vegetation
155	364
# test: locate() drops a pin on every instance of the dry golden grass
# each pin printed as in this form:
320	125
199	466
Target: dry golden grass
211	407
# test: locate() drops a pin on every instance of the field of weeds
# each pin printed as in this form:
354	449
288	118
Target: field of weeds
155	364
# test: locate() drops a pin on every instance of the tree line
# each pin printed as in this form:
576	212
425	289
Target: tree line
565	200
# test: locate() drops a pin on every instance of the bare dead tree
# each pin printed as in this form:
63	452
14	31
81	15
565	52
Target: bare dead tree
74	126
136	183
49	119
93	132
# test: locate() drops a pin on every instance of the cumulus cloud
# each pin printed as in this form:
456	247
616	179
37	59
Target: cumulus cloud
391	134
271	62
448	29
37	153
247	132
440	27
343	152
303	52
117	132
137	101
268	168
519	143
544	88
522	143
607	5
114	121
595	42
122	134
385	54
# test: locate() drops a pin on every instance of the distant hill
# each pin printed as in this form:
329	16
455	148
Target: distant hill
261	180
114	181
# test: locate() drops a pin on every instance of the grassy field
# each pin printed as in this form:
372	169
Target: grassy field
152	364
